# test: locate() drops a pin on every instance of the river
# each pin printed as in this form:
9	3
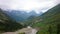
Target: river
28	30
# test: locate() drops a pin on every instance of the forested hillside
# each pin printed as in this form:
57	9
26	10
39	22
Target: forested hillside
49	22
7	23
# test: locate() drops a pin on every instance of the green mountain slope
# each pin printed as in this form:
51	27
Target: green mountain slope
50	23
7	23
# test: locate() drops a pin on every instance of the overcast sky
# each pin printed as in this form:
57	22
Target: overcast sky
28	5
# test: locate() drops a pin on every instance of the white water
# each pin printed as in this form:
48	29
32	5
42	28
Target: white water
33	31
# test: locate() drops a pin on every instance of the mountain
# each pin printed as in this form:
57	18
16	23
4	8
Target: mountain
7	23
50	23
21	15
33	13
3	17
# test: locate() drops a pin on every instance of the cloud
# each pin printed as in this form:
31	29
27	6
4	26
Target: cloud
28	5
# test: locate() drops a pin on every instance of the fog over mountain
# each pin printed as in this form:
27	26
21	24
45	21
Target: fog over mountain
21	15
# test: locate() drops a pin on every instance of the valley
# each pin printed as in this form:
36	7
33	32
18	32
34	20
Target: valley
18	22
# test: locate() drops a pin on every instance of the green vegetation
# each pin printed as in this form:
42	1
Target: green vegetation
49	22
7	24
